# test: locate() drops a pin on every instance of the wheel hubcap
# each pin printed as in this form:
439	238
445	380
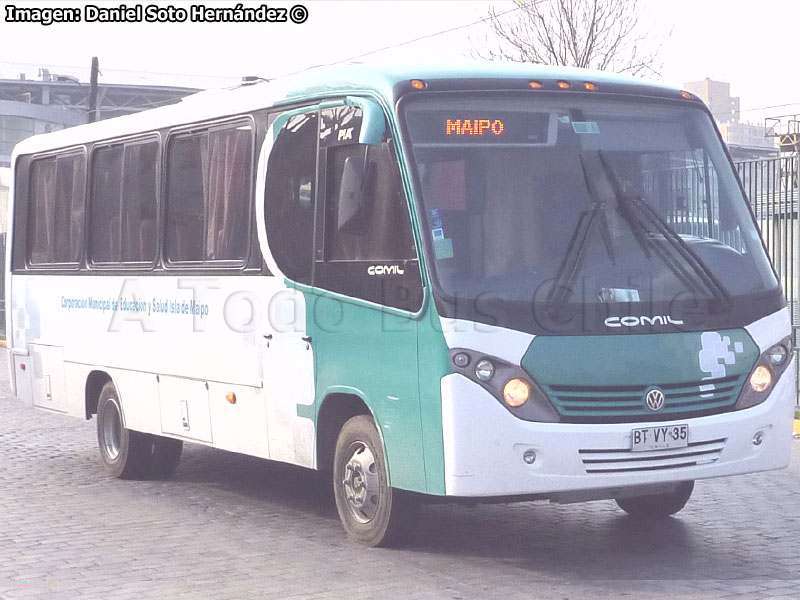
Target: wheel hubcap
361	483
112	430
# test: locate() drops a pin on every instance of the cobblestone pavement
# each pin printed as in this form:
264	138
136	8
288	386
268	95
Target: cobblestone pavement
230	526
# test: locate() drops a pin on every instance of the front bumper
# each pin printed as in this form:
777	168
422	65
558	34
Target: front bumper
484	446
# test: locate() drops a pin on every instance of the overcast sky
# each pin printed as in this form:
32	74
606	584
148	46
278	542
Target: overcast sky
748	45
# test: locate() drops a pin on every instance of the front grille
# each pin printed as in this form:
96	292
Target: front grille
626	403
625	461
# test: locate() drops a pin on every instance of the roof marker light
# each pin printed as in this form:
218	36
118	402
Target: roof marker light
564	85
536	85
590	86
686	95
230	397
418	84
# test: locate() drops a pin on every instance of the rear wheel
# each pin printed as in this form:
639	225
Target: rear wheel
124	452
128	454
658	505
165	455
372	512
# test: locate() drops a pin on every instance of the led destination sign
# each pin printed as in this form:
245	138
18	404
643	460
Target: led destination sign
473	128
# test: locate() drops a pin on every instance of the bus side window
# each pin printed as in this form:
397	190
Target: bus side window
138	217
41	214
106	177
289	196
384	231
185	198
123	203
56	209
369	245
208	195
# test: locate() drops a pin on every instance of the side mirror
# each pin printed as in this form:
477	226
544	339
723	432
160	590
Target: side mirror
355	195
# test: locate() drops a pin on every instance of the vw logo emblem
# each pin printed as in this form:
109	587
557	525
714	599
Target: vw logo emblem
655	400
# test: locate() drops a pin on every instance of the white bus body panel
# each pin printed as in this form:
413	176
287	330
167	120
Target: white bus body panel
484	443
173	370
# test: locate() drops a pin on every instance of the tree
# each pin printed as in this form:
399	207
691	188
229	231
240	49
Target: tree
594	34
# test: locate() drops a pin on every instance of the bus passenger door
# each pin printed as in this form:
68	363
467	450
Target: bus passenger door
285	201
335	227
288	366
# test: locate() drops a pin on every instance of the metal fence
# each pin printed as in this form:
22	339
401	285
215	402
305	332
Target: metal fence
771	185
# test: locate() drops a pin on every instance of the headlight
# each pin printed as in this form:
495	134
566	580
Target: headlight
516	392
778	354
761	379
484	370
509	384
766	372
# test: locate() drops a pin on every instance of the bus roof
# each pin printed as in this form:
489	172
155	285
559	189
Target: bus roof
311	83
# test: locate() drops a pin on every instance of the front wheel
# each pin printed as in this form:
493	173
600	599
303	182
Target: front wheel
658	505
371	511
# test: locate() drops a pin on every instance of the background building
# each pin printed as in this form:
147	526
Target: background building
745	140
36	101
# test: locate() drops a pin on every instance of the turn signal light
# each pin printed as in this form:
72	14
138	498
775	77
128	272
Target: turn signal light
231	397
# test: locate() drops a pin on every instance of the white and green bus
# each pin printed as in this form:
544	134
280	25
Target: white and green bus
482	283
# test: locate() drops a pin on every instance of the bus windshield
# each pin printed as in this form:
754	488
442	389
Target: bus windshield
537	208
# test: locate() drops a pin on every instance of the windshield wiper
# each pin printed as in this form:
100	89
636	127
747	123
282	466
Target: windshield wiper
642	218
576	250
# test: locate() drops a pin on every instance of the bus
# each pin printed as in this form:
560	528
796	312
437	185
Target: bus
472	282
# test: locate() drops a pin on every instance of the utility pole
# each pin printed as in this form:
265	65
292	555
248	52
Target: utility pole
91	109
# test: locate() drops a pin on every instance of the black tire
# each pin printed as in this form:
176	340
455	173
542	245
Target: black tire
128	454
165	456
372	512
658	505
125	453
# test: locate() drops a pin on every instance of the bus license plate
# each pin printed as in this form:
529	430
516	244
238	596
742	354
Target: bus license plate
659	438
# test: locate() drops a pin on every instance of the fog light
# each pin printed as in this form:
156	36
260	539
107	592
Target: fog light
761	379
516	392
758	437
529	457
778	354
461	360
484	370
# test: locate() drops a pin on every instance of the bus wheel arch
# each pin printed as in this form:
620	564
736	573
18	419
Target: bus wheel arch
336	410
94	386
